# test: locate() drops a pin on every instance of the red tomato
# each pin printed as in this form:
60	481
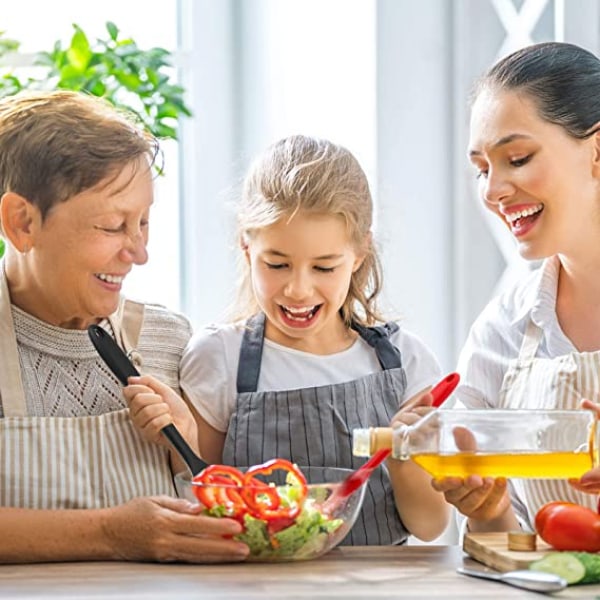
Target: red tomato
568	526
545	511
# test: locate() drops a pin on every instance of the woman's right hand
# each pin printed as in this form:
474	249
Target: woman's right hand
484	500
166	529
154	405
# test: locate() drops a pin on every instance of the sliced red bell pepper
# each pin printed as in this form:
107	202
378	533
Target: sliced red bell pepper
263	500
220	485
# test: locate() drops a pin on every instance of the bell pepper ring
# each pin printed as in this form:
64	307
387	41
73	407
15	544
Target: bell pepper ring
240	494
264	501
220	487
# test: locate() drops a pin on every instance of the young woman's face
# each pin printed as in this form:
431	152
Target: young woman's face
85	248
301	274
539	180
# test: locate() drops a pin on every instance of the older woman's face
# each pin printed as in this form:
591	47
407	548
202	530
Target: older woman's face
84	250
537	178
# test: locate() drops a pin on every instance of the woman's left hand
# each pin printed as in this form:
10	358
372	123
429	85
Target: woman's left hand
589	483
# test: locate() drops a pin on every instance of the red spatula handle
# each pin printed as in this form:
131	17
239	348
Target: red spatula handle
444	388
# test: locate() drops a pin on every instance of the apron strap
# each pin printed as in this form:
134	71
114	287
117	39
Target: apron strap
531	341
11	385
126	323
131	327
253	339
251	354
378	338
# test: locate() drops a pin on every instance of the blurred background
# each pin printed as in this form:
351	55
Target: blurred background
389	79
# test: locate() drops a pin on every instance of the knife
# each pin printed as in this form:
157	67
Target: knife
537	581
118	362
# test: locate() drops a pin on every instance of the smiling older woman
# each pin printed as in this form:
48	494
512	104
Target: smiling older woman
76	480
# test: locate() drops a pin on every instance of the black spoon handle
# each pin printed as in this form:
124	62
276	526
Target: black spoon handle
118	362
192	460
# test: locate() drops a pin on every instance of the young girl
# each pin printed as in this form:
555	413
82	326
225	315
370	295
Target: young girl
303	363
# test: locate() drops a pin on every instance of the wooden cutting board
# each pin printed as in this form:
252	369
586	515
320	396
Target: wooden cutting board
492	550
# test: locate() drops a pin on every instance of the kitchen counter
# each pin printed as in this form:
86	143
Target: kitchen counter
349	572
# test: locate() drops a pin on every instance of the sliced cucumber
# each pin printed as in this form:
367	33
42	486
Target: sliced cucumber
591	563
564	564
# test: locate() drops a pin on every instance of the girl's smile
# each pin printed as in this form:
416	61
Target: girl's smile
301	270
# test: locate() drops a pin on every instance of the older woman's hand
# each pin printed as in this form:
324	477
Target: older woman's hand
168	529
154	405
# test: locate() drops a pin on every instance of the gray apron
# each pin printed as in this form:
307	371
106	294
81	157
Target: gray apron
548	383
312	427
72	462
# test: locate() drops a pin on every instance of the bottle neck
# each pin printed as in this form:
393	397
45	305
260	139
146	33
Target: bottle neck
396	439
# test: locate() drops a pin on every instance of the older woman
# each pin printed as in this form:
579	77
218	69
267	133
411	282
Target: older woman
76	480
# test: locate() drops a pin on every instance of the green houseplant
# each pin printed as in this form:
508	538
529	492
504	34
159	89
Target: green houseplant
114	68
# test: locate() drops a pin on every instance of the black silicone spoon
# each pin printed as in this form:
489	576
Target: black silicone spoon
122	367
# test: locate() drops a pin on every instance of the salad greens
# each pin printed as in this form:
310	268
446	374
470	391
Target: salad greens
301	537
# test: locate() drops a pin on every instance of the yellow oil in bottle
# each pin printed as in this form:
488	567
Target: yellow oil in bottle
539	465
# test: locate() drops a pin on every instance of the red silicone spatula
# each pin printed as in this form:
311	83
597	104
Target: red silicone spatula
357	478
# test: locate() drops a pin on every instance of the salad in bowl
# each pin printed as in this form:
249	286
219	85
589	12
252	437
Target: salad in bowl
287	513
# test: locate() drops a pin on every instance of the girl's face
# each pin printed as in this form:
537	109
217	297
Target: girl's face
539	180
301	274
83	251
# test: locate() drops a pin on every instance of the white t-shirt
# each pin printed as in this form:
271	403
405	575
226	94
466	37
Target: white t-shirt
210	362
496	336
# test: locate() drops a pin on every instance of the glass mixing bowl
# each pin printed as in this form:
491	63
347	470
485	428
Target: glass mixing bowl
322	523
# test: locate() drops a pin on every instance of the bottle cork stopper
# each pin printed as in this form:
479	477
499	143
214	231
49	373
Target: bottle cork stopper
381	437
522	541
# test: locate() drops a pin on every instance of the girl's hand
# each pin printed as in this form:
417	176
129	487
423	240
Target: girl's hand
154	405
413	409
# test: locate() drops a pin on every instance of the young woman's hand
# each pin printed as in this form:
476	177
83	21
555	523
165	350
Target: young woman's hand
168	529
153	405
484	500
589	483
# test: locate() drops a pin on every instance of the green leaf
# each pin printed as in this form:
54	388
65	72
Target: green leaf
113	30
138	79
161	130
168	110
79	53
1	247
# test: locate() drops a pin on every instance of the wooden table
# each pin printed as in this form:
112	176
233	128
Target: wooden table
373	572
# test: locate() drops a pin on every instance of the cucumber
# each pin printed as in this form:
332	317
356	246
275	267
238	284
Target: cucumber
573	567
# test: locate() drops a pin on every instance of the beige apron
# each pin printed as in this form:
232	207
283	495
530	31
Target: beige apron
66	462
549	383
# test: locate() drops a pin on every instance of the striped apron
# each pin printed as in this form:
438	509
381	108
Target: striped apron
549	383
66	462
312	427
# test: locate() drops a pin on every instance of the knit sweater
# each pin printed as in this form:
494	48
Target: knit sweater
63	375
